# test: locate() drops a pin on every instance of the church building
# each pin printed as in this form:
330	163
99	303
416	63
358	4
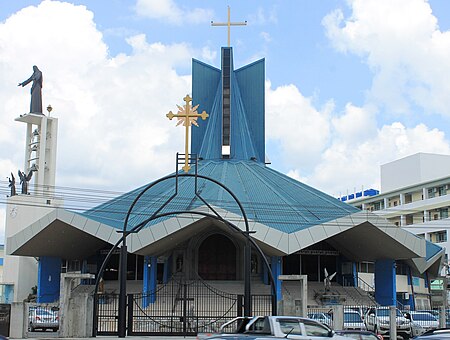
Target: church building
301	230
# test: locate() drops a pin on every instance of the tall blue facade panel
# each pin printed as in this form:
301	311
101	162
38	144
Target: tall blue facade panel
149	280
205	82
251	80
385	283
242	146
211	145
49	277
276	267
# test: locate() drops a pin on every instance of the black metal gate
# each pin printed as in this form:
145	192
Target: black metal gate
5	317
177	308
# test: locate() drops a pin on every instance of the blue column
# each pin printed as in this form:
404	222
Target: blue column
355	275
149	282
49	277
276	270
385	283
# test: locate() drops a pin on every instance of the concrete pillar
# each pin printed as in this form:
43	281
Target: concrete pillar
393	322
276	271
18	323
167	273
425	216
338	316
49	272
149	282
265	275
385	283
386	203
425	193
72	322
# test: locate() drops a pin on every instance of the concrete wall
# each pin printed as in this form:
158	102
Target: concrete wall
73	299
21	211
414	169
18	322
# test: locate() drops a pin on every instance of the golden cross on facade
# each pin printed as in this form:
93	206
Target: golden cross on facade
229	24
187	115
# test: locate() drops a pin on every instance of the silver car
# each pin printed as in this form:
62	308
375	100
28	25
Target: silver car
43	318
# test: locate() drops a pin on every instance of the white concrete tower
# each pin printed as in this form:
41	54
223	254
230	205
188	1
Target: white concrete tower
23	209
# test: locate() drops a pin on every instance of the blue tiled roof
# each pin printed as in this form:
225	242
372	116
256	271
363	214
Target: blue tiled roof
268	197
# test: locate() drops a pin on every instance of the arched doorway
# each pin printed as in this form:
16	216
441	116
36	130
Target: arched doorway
217	258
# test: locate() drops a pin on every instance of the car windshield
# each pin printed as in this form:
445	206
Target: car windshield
423	317
352	317
386	312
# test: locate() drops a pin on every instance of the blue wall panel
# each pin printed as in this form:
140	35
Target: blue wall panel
277	271
385	283
149	280
49	277
251	80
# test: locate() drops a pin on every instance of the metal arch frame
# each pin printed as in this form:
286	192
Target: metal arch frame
155	215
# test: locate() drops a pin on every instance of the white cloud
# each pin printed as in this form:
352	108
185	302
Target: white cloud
292	119
335	152
347	163
169	11
113	132
401	42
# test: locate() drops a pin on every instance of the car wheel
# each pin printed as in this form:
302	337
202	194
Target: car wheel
54	329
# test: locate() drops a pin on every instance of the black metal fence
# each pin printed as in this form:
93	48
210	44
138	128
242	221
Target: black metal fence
106	317
177	308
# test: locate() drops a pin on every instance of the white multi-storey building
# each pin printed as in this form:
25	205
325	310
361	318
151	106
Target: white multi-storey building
415	194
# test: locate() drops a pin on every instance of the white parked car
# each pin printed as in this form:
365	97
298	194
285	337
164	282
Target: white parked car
377	321
321	317
42	318
353	320
422	322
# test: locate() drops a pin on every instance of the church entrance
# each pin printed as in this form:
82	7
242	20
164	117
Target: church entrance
217	258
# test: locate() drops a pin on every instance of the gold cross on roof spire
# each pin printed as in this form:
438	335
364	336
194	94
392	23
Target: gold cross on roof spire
229	24
187	116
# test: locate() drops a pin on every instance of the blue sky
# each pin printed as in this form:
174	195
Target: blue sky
350	85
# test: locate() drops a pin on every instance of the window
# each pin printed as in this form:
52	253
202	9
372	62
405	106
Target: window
401	268
366	267
441	236
430	193
408	198
442	190
260	326
315	329
290	326
444	213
